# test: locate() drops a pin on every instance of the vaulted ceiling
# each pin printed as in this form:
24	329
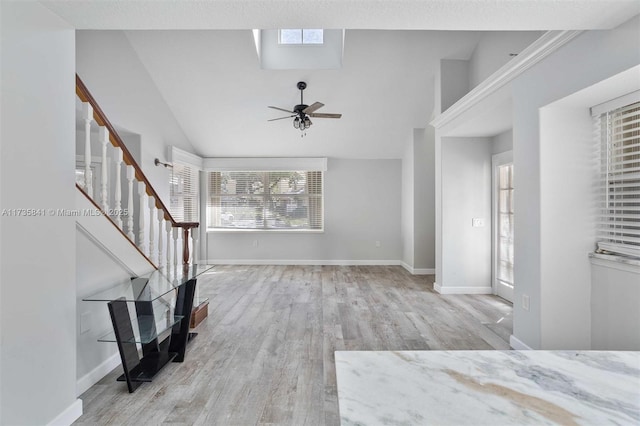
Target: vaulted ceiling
202	58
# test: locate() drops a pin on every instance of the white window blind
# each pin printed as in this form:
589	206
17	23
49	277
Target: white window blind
265	200
184	192
618	132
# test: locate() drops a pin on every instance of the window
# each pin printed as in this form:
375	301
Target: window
301	36
183	191
265	200
619	221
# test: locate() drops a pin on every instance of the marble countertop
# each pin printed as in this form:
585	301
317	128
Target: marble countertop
488	387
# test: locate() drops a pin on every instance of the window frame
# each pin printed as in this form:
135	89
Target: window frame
616	236
302	42
267	196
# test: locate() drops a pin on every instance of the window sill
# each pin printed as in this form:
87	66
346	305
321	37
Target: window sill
264	231
616	262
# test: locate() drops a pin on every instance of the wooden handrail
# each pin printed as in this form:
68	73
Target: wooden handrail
102	120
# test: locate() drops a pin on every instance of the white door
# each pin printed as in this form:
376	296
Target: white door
503	226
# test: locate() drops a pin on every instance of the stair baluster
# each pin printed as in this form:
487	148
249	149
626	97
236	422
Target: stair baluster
141	242
87	115
103	137
160	232
169	228
130	176
152	220
118	191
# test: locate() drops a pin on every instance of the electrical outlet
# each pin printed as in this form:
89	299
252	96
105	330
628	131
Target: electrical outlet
477	222
378	244
85	322
525	302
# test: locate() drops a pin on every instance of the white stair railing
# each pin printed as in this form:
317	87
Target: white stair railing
110	189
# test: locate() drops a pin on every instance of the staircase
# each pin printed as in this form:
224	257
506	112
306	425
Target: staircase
116	188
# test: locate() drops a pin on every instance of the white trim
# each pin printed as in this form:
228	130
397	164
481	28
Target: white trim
265	164
69	415
616	103
548	43
97	374
177	155
518	344
615	262
418	271
461	290
304	262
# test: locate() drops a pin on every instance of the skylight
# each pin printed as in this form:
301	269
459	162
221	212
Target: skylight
301	36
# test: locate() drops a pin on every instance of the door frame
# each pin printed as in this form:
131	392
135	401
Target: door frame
497	160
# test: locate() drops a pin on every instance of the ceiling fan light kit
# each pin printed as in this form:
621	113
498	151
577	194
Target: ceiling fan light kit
301	113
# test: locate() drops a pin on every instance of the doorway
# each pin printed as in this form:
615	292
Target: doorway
503	221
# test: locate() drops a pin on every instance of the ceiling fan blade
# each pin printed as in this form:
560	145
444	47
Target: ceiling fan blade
281	118
313	107
324	115
282	109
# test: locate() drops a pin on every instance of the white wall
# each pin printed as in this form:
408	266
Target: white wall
466	194
38	253
493	50
454	80
567	178
502	142
362	204
590	58
113	73
615	297
95	271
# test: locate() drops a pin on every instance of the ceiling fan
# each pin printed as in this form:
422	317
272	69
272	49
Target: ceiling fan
302	112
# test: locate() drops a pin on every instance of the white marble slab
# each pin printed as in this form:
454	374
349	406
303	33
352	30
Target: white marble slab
488	387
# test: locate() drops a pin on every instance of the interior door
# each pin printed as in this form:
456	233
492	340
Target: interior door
503	231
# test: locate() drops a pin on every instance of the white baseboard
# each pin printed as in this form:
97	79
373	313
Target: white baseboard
418	271
303	262
69	415
462	290
95	375
518	344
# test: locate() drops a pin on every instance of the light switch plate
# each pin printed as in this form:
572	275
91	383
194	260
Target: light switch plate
477	222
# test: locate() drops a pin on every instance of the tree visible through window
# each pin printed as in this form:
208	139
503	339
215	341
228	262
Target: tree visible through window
265	200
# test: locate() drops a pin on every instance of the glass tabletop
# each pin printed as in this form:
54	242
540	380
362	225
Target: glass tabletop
151	286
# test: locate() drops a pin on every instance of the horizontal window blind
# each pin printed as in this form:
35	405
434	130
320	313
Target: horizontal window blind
618	132
184	192
265	200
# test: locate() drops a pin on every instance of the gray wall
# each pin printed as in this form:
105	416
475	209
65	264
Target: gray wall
466	194
362	201
37	312
424	199
493	51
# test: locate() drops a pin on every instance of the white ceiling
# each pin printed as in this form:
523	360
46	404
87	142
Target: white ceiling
356	14
214	86
203	60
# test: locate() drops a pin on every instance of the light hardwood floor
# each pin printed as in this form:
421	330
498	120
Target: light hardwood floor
265	354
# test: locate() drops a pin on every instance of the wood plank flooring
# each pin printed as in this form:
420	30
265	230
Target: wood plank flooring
265	354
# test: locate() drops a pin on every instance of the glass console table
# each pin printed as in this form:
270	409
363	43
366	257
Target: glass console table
162	302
